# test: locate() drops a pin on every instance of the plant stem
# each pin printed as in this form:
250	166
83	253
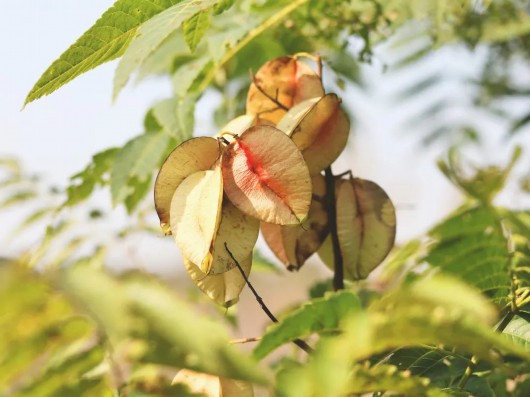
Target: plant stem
338	266
273	20
245	340
473	361
298	342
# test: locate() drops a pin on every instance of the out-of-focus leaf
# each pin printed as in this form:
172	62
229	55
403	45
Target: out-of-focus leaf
169	331
18	198
518	330
96	173
136	160
195	27
433	311
471	245
152	34
176	117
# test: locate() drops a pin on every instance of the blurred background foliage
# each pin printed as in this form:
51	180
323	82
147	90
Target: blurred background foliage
448	313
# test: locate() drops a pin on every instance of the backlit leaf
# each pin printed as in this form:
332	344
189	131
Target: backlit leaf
323	314
152	34
195	27
106	40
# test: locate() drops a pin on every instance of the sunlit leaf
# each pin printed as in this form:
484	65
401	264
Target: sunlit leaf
106	40
470	245
266	177
152	34
195	27
518	330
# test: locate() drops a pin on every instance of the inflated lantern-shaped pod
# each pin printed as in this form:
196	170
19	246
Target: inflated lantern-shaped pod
294	244
266	177
366	228
280	84
319	128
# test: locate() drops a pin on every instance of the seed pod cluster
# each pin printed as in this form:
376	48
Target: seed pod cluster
265	167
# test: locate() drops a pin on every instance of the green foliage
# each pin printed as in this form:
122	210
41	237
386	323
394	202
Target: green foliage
131	174
152	34
319	315
103	42
195	27
51	347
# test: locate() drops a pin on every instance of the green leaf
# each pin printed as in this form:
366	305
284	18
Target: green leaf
166	330
135	163
152	35
222	6
363	381
106	40
176	116
195	27
18	198
440	366
65	378
83	183
322	314
518	330
471	245
433	311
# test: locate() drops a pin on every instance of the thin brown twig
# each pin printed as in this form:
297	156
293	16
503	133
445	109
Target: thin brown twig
331	207
298	342
245	340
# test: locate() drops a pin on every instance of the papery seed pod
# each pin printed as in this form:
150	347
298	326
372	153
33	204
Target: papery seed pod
294	244
286	81
266	177
319	128
366	228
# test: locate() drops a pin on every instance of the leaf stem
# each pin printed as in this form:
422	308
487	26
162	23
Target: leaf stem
473	361
245	340
298	342
338	275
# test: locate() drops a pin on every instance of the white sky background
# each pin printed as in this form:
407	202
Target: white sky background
57	135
